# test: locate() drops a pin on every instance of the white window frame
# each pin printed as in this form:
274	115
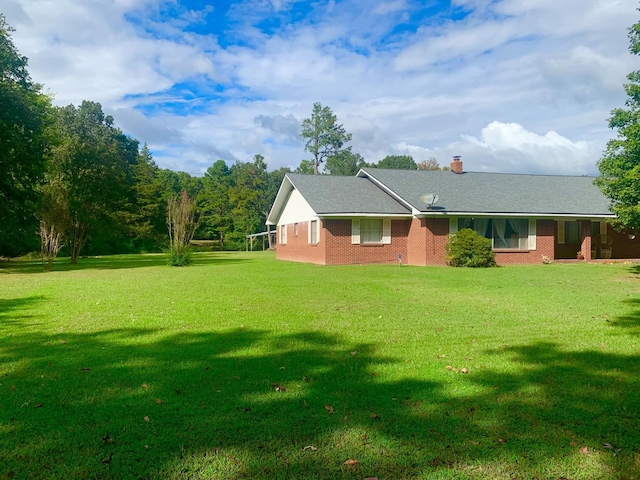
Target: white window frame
313	232
356	232
283	234
528	242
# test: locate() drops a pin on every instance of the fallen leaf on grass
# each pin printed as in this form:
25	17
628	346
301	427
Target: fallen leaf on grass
158	401
500	440
281	388
107	460
354	352
607	445
572	443
144	385
38	405
441	356
450	367
464	370
146	447
85	369
146	419
375	416
282	368
584	450
107	438
350	462
310	447
328	408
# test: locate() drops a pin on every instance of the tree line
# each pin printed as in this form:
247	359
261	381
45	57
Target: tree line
72	182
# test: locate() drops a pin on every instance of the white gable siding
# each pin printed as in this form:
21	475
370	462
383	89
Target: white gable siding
296	210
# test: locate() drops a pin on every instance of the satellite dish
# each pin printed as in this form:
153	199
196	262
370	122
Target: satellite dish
429	198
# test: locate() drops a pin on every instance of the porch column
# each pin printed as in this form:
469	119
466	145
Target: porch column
585	244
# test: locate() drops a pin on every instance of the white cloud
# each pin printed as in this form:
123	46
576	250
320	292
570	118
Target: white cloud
432	87
509	147
384	8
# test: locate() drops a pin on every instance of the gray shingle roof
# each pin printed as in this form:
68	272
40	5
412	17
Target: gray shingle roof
496	192
329	194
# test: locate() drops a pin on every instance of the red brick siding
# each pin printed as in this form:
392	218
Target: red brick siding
436	234
340	250
298	249
417	242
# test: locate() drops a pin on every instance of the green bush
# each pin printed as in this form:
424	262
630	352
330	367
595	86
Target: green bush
179	256
468	249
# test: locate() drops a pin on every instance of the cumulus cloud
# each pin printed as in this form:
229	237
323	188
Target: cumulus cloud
283	127
401	80
510	147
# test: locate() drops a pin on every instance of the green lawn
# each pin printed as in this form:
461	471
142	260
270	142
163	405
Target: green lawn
240	366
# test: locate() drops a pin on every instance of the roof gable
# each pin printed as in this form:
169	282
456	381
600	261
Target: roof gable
337	195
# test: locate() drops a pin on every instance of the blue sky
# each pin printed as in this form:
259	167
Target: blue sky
511	85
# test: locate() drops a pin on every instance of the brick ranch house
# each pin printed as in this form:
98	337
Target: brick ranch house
383	216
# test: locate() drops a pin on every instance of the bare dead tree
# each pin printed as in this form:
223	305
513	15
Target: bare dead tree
182	222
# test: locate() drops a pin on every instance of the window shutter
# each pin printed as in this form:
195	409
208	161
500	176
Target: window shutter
532	234
453	225
355	231
309	223
603	228
386	231
561	231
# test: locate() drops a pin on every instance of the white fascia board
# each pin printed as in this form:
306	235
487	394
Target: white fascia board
286	187
364	174
361	215
511	215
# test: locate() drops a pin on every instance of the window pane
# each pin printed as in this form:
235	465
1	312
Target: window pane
571	232
510	233
482	226
371	230
314	231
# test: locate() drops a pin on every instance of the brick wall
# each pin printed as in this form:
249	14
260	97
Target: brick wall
298	249
417	243
340	250
436	236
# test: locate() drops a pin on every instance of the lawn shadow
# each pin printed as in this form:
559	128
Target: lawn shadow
239	404
117	262
630	321
10	308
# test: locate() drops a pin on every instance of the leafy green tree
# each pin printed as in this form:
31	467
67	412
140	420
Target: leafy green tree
93	160
247	195
146	209
345	162
217	219
324	136
401	162
306	167
620	165
23	115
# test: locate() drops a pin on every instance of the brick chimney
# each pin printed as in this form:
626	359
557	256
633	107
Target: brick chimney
456	165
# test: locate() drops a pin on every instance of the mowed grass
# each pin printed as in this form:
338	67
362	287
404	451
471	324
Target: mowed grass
240	366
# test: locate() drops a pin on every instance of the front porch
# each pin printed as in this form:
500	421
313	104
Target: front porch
597	240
